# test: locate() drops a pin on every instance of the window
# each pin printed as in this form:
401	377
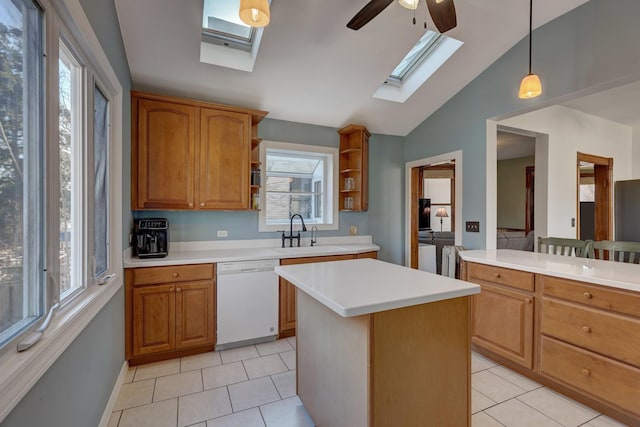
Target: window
425	58
56	184
226	40
299	179
21	137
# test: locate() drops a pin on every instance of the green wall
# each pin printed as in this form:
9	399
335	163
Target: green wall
512	193
75	389
592	47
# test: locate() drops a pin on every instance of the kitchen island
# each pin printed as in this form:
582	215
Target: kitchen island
572	324
380	344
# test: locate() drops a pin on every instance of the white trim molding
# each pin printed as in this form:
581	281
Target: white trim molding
113	398
454	155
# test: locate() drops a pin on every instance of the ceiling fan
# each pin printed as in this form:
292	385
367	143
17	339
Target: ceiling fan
443	13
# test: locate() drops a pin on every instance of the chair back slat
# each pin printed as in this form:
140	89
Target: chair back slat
615	251
561	246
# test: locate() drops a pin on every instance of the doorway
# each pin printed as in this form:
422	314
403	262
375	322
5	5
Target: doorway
593	197
414	191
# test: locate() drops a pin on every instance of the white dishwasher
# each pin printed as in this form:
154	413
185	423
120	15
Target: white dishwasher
247	302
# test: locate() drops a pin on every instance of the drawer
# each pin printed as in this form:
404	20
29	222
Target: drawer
501	276
596	375
172	274
602	332
618	300
307	260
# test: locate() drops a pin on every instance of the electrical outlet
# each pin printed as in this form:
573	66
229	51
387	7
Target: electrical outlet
223	233
353	230
573	222
473	226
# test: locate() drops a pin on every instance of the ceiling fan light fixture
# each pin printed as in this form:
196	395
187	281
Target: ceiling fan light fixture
255	13
409	4
530	87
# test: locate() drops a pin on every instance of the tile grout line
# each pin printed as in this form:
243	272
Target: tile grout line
489	415
548	416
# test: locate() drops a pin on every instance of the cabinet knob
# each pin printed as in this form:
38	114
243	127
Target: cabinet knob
202	205
528	300
171	289
190	205
587	295
178	289
175	274
586	372
497	275
586	329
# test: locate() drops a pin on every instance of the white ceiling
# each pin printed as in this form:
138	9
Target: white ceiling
620	104
311	68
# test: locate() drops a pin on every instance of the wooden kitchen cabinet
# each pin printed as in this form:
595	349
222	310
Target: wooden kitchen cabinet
354	168
191	155
287	315
503	313
163	151
169	311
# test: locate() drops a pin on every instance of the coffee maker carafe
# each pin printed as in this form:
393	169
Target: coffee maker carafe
151	237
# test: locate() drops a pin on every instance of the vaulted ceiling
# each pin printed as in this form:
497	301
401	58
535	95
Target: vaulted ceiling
311	68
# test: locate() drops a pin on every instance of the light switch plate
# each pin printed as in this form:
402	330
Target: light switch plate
353	230
473	226
223	233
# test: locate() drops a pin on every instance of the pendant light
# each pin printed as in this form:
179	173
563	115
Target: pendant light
255	13
530	87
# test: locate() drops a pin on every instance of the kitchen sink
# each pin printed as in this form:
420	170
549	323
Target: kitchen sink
310	250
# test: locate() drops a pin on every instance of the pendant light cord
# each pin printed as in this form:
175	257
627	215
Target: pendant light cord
530	31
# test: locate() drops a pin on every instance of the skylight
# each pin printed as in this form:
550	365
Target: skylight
425	57
226	40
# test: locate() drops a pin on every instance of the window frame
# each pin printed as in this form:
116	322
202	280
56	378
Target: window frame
330	190
66	18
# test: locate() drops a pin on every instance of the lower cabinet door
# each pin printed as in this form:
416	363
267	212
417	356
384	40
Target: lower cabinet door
153	319
287	323
195	314
503	323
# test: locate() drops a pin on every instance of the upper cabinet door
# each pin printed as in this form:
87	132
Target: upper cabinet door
225	150
164	154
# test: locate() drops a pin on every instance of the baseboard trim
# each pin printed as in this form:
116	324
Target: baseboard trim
106	415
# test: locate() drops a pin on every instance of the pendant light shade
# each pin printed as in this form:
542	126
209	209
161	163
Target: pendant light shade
530	87
409	4
255	13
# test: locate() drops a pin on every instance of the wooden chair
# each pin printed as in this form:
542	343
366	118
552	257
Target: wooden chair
616	251
560	246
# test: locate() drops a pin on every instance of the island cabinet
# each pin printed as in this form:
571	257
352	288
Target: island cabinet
503	312
287	316
170	311
580	338
590	340
192	155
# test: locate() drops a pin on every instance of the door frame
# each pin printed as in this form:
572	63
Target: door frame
603	179
411	187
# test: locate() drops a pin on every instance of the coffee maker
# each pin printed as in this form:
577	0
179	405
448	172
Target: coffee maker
151	237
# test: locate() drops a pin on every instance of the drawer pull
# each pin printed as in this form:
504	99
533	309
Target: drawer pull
175	274
171	289
586	372
202	204
178	289
527	300
586	329
190	205
497	275
587	295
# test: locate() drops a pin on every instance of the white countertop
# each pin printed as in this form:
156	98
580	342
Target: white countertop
607	273
215	252
363	286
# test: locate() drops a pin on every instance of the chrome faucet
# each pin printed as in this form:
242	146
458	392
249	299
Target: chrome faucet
313	237
291	236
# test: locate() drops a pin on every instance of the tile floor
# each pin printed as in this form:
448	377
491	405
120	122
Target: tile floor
255	386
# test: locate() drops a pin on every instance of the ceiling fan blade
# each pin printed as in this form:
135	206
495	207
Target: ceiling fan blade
367	13
443	14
